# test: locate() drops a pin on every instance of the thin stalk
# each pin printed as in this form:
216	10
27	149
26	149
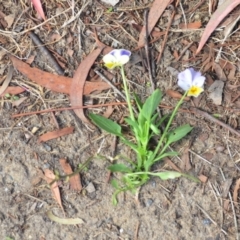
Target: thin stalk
169	124
127	93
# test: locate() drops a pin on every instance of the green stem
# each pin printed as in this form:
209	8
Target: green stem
127	93
169	124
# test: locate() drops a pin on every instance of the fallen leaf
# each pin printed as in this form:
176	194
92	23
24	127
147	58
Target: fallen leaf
175	94
50	177
69	221
235	192
155	12
13	90
54	82
55	134
226	187
216	92
193	25
219	71
108	112
38	7
186	164
75	182
203	178
226	7
7	80
78	82
9	19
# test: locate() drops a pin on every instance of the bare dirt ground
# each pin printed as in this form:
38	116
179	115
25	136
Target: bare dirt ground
176	209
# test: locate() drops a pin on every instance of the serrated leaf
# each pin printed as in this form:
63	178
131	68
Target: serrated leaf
106	124
178	133
68	221
118	167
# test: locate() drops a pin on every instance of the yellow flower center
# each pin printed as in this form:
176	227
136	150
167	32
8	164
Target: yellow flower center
194	91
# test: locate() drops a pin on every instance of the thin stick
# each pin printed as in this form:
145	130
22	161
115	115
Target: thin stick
147	49
88	106
136	231
110	83
208	216
233	209
38	42
166	36
213	119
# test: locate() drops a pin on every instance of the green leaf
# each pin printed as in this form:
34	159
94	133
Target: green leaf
168	175
130	144
151	104
115	183
167	154
132	123
138	101
106	124
119	168
178	133
155	129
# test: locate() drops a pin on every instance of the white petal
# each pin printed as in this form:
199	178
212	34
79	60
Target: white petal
123	59
185	79
194	73
109	58
184	84
199	81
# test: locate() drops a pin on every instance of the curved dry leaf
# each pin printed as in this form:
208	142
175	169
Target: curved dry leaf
55	134
175	94
50	177
215	20
69	221
235	192
155	13
78	82
38	7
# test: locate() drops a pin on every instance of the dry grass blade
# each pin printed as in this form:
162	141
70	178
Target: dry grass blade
75	182
50	177
235	192
7	80
79	79
55	134
155	12
69	221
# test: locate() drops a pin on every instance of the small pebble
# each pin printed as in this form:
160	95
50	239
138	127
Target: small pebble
47	147
207	221
149	202
90	188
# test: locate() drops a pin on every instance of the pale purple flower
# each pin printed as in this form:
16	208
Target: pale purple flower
116	58
191	81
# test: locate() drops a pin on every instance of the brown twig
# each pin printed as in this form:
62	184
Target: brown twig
213	119
37	41
88	106
166	36
147	49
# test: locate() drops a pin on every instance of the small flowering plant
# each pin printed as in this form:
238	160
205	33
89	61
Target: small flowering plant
144	126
